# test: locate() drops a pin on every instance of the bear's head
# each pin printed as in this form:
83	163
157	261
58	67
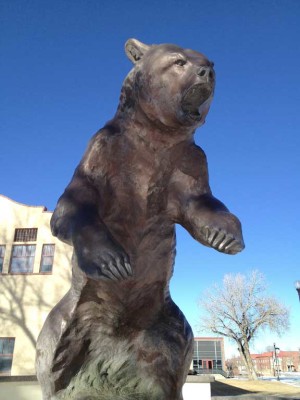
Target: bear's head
171	85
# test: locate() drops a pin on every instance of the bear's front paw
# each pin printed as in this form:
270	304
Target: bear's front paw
101	258
104	264
222	241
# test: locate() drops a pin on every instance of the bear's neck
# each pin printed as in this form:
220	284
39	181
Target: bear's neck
137	126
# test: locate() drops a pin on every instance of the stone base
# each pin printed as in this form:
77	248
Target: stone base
197	387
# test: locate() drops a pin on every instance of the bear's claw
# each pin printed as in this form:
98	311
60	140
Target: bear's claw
116	270
106	268
99	257
222	241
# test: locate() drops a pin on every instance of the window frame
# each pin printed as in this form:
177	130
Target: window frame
2	256
25	235
7	355
45	255
12	257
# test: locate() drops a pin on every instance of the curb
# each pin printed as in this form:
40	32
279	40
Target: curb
19	378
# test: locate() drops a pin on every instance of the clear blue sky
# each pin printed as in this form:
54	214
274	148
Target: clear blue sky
62	67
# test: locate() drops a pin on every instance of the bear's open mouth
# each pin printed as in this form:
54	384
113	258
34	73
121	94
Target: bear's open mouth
194	98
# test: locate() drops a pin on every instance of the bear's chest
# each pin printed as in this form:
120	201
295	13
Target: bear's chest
131	178
138	187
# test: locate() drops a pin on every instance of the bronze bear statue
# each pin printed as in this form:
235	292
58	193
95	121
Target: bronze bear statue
117	334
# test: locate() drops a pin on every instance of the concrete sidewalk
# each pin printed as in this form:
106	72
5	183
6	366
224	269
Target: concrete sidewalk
20	391
32	391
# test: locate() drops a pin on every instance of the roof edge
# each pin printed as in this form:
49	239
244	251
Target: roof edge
44	208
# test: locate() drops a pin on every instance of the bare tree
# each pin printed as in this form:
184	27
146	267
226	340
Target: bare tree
239	308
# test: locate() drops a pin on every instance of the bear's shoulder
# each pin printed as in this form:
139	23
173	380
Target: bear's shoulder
103	146
194	162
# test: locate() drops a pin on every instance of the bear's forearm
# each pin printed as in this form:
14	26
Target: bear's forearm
209	221
205	203
78	207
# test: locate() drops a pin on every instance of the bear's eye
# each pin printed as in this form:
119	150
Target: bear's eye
180	61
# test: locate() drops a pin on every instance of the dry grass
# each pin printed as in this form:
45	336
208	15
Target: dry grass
232	387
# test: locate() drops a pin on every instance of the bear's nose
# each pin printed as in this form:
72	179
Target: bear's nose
206	73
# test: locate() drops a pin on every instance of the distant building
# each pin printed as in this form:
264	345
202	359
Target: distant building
208	354
285	361
267	364
35	270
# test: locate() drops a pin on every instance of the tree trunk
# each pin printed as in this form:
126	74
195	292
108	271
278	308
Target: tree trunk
245	353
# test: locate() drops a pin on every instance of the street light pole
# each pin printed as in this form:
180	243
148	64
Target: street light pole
297	286
276	360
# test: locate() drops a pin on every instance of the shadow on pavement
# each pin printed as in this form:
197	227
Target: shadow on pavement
221	389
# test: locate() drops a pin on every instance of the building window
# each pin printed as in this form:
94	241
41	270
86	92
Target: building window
25	235
47	258
2	252
22	259
6	355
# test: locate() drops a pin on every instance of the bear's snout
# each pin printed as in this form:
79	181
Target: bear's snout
206	74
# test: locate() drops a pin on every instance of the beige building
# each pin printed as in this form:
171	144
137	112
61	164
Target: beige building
35	271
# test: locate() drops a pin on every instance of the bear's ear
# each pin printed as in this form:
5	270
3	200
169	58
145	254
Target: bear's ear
135	50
